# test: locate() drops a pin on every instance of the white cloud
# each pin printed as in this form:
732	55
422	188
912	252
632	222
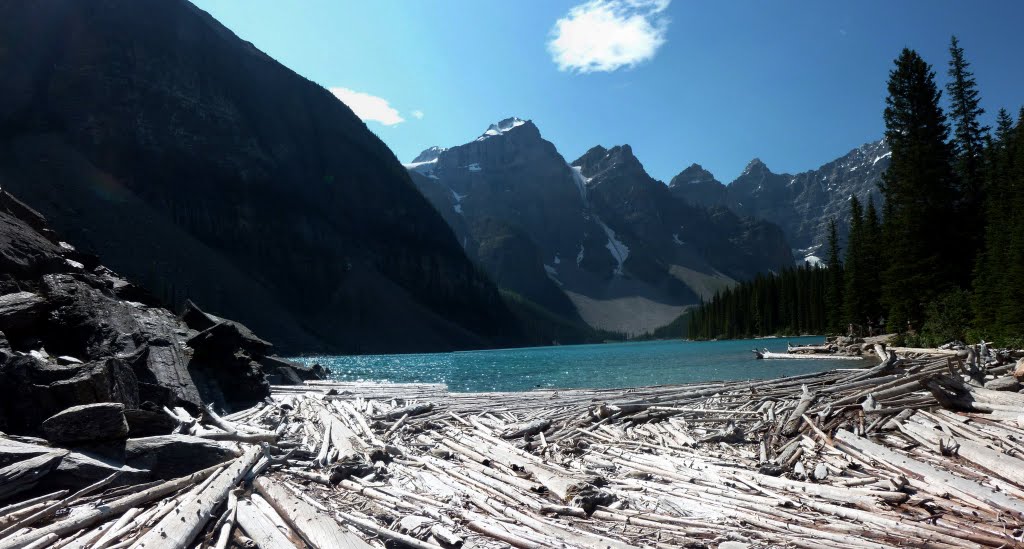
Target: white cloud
368	107
417	114
606	35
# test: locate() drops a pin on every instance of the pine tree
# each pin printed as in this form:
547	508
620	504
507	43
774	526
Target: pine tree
873	251
968	145
834	289
998	287
1010	315
919	190
854	269
968	132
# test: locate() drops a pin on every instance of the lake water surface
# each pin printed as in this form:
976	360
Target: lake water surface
604	365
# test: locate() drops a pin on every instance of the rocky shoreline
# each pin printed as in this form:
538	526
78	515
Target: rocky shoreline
91	363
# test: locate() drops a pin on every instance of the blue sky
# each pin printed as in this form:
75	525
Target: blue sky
795	83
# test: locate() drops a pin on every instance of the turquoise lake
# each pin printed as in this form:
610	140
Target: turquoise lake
603	365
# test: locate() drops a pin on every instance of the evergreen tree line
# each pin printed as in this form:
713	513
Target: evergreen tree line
788	303
943	260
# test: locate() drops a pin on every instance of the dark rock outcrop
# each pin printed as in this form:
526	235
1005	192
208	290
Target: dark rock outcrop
75	334
40	388
147	423
87	423
171	456
200	168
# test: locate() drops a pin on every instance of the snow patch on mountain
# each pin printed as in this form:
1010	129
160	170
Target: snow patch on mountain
886	155
619	251
552	274
581	182
458	201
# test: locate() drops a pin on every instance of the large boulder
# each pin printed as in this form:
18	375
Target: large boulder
21	311
87	423
285	372
147	423
80	468
225	366
25	252
45	388
227	337
171	456
5	349
90	322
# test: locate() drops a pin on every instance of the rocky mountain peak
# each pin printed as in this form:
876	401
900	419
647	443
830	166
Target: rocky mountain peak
693	175
599	159
756	166
429	155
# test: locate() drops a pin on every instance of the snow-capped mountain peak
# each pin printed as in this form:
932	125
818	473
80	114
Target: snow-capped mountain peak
429	155
502	127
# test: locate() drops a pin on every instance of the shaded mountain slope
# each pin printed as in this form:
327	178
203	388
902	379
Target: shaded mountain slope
151	135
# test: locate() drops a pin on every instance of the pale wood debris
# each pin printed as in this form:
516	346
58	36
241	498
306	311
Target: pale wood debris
913	451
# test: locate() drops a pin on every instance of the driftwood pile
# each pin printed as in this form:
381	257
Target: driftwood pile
914	451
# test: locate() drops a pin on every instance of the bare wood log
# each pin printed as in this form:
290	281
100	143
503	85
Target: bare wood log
792	425
572	536
394	428
379	531
116	528
325	445
8	513
93	516
180	528
317	528
502	534
52	508
931	476
260	528
251	438
412	410
224	535
527	429
212	417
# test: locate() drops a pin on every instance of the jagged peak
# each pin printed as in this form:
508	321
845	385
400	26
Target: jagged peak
599	159
755	166
693	174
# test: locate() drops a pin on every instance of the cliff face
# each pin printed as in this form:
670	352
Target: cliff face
190	161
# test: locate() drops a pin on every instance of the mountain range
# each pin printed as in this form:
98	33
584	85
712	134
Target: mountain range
598	240
801	204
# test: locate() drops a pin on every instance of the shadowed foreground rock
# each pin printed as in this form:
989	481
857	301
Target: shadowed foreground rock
88	422
73	333
170	456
